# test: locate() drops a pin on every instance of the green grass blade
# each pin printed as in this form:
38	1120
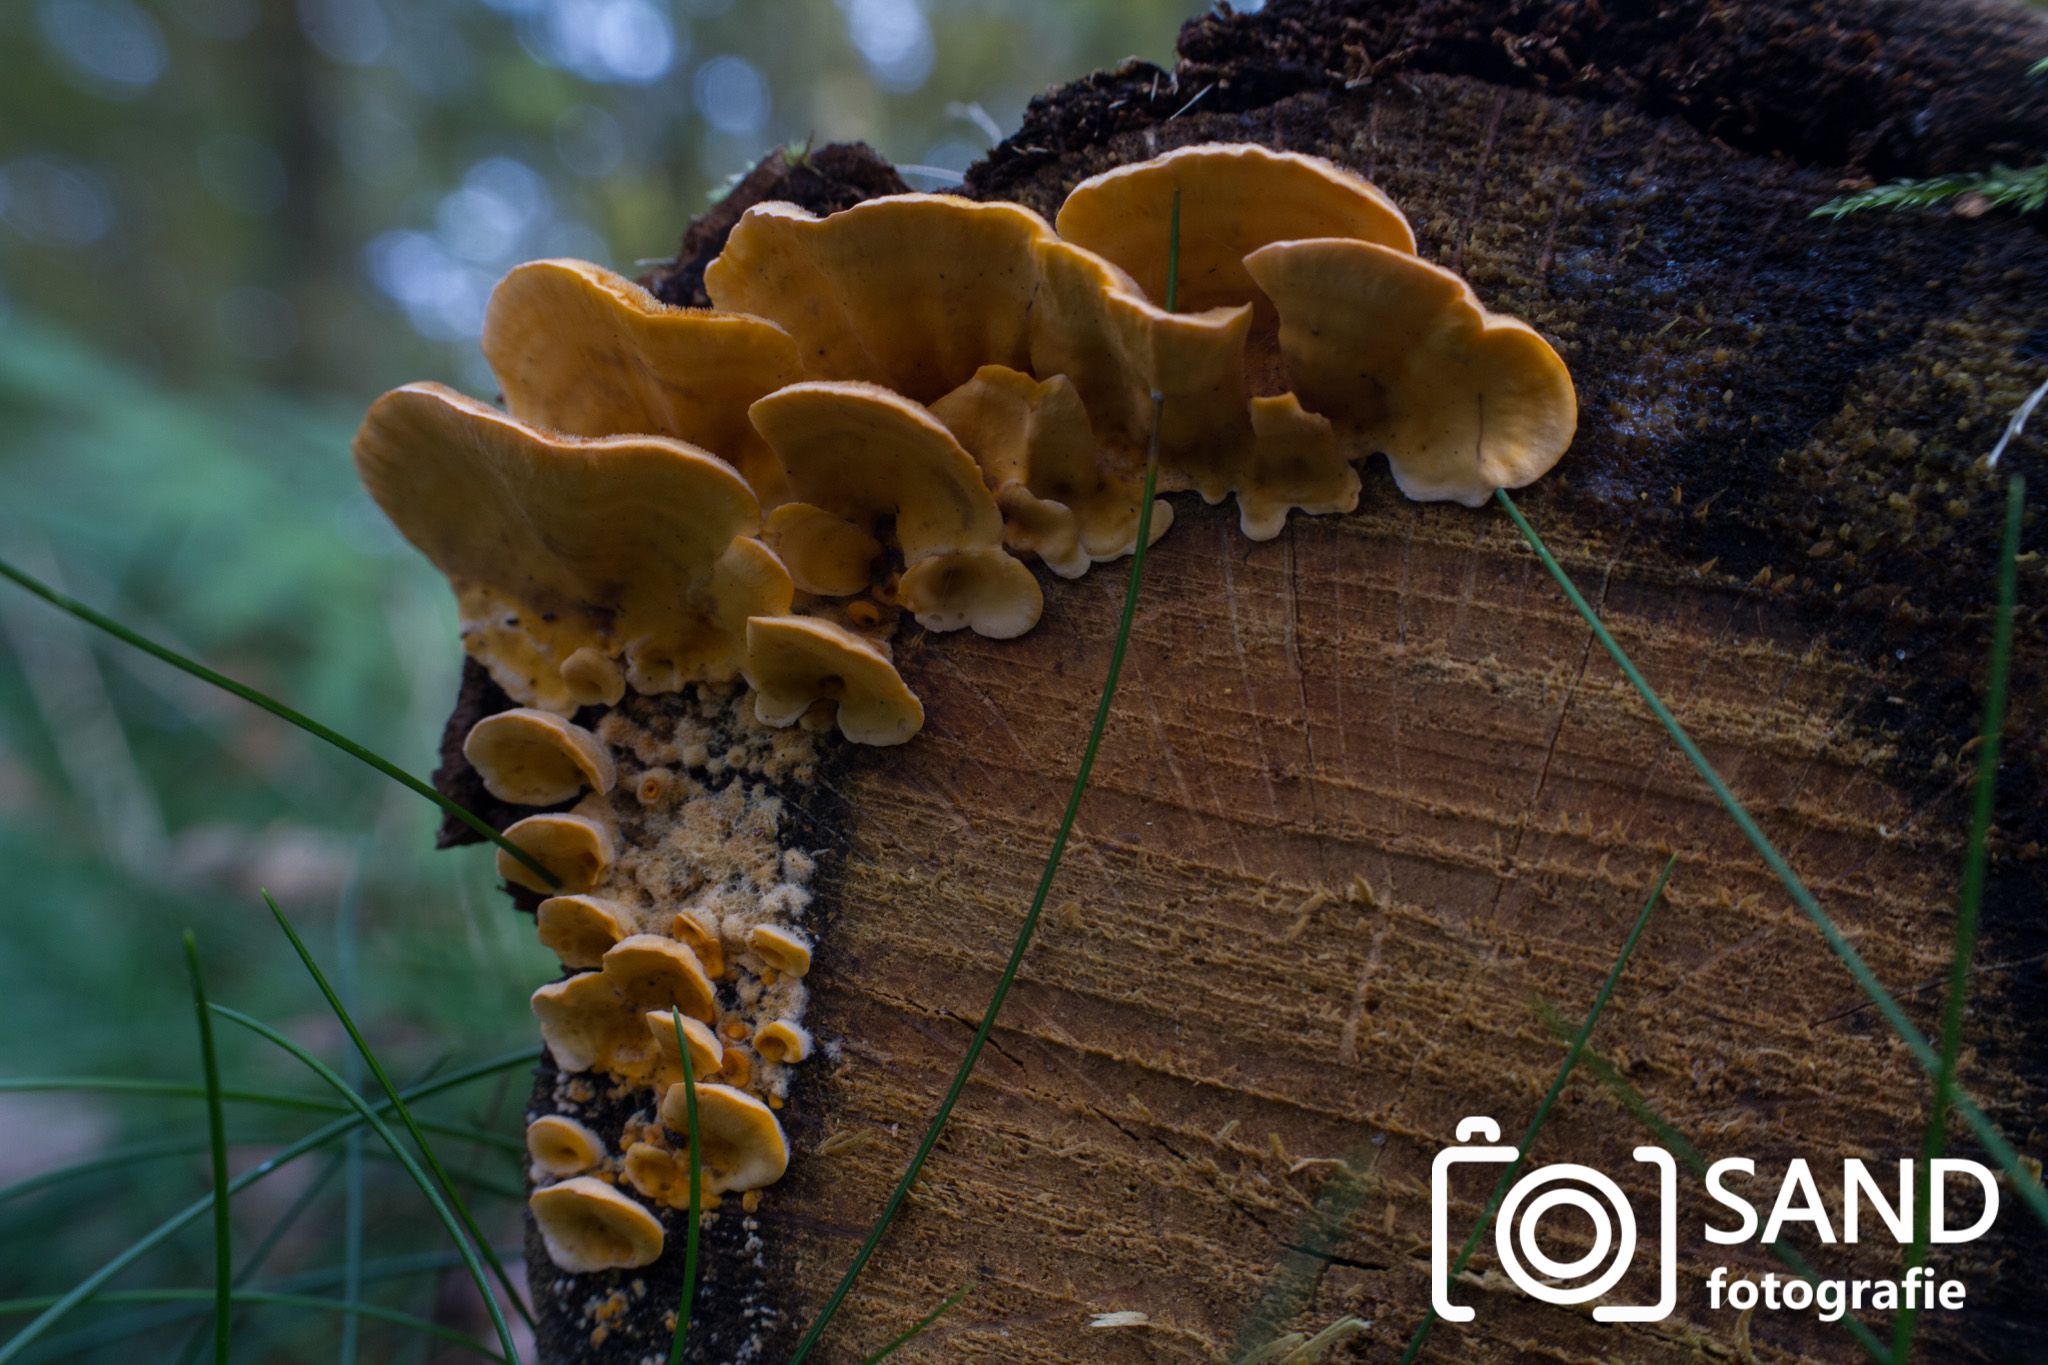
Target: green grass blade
275	708
1681	1147
217	1142
305	1302
90	1287
138	1085
2023	1182
1543	1107
696	1209
352	1146
897	1196
412	1168
1969	895
398	1104
918	1328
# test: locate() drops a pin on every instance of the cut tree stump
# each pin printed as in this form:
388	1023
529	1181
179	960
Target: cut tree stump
1371	797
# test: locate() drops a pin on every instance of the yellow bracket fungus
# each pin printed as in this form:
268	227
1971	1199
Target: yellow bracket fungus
1235	197
561	1146
783	1040
707	1054
870	458
704	942
530	757
579	930
795	661
587	1225
580	350
1062	496
628	544
912	291
1403	358
653	972
784	950
740	1143
587	1026
576	848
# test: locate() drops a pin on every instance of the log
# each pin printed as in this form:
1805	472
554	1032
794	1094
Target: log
1372	800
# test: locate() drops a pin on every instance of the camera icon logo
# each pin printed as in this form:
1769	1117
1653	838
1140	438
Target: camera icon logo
1565	1185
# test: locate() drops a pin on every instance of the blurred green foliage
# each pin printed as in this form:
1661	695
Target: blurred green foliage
225	225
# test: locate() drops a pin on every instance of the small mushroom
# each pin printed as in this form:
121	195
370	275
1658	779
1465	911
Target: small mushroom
576	848
785	950
1095	325
562	1147
534	758
874	459
707	1054
587	1225
637	546
1060	493
1402	358
913	291
703	942
587	1027
660	1175
580	350
652	972
579	929
740	1145
824	554
593	678
1235	197
1297	462
794	661
783	1040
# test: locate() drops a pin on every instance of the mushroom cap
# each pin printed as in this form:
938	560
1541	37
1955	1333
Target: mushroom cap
865	454
1235	197
825	554
740	1146
558	543
580	350
579	930
587	1225
988	589
561	1146
660	1174
587	1027
1297	462
702	940
786	950
593	678
1061	493
653	972
531	757
793	661
1403	358
1094	324
913	291
707	1054
576	848
783	1040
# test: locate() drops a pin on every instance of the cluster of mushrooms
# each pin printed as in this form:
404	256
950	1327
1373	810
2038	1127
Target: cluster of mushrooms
887	412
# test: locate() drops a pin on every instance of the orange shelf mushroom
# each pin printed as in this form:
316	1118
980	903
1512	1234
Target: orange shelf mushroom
587	1225
794	662
633	545
740	1142
530	757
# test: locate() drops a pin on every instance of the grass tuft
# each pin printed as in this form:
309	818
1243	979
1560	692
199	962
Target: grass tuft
1543	1107
2024	1182
274	707
901	1193
62	1305
398	1104
217	1144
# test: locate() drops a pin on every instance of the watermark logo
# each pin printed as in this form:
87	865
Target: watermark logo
1621	1234
1545	1190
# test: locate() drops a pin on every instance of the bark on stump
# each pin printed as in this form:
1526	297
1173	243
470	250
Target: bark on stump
1370	790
